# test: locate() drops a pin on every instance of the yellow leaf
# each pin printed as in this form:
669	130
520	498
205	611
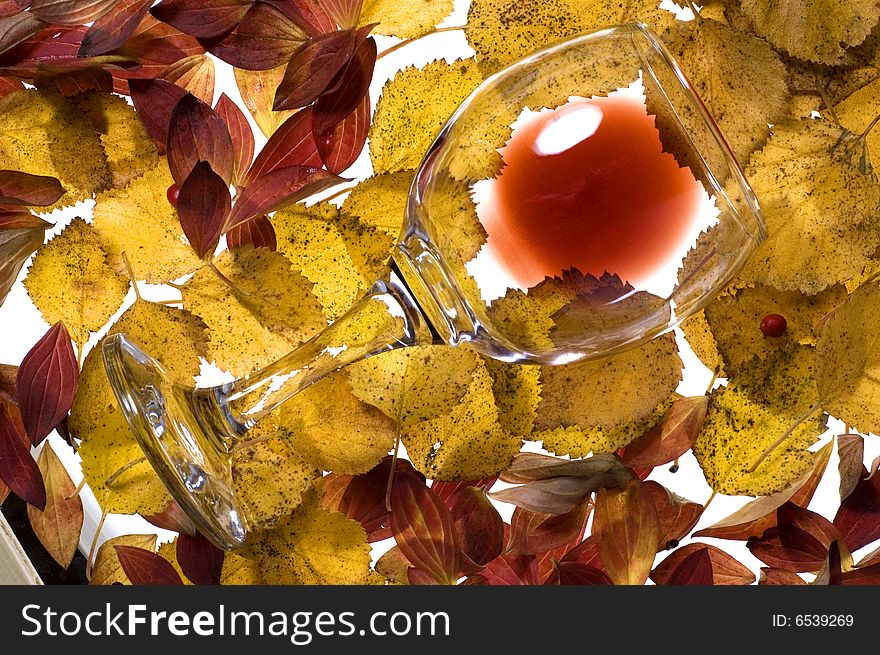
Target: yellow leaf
109	450
70	281
273	312
238	570
601	405
140	222
847	359
517	390
857	112
747	416
820	206
817	31
59	524
335	431
42	133
168	552
342	256
407	19
701	340
735	320
129	149
257	90
381	201
414	105
107	569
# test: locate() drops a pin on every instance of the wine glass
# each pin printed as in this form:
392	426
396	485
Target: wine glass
562	272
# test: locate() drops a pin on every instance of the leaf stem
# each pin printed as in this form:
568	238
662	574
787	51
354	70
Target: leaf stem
785	435
90	560
693	7
712	382
709	500
131	276
114	477
870	127
406	42
78	490
336	194
229	283
395	456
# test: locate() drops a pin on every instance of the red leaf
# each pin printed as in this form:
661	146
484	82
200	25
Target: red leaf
725	569
342	145
308	14
197	133
46	382
158	43
17	28
672	437
344	12
773	576
113	28
479	528
448	490
869	575
12	7
70	12
265	38
275	190
172	518
17	468
858	517
257	232
533	533
9	85
146	568
154	101
80	81
292	144
627	530
348	89
851	455
677	516
18	188
202	18
312	67
575	573
22	220
799	542
508	569
695	569
240	132
586	552
423	529
51	44
196	74
199	559
202	206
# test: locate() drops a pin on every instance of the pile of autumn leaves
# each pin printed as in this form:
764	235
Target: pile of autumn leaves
460	416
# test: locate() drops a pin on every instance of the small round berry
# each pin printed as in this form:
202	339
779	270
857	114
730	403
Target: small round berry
773	325
173	193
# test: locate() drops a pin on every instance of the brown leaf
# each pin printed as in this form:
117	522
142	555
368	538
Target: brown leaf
59	525
278	189
532	533
343	143
240	132
7	381
312	67
869	575
449	489
292	144
586	552
20	235
144	567
46	382
725	569
172	518
672	437
774	576
344	13
851	454
112	29
308	14
202	18
529	467
695	569
154	100
195	74
199	559
197	133
575	573
256	232
423	528
676	515
264	39
858	517
552	496
831	572
479	528
80	81
627	530
203	205
799	542
70	12
348	89
12	7
9	85
17	28
18	188
508	569
17	468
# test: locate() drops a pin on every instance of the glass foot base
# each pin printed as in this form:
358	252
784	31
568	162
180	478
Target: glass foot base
184	436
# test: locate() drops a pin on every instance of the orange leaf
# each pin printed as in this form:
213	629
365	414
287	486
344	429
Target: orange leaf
725	569
672	437
59	525
627	530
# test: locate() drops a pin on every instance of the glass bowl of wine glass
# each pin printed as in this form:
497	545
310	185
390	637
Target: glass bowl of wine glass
579	202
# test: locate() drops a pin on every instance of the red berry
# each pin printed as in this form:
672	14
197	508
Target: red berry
773	325
173	193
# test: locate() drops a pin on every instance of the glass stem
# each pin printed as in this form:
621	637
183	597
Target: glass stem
386	318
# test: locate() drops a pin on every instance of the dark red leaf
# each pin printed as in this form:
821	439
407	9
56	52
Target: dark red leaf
772	576
479	528
12	7
172	518
70	12
869	575
154	100
199	559
50	45
799	542
9	85
725	569
264	39
80	81
18	188
46	382
202	207
851	455
22	220
348	89
202	18
257	232
423	529
449	489
278	189
308	14
240	132
586	552
15	29
312	67
17	468
575	573
144	567
677	516
672	437
533	533
345	141
695	569
345	13
112	29
197	133
154	42
292	144
858	517
507	569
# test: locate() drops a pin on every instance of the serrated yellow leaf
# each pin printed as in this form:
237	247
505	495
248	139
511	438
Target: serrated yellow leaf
857	112
107	569
342	256
129	149
273	312
177	339
381	201
257	90
239	570
699	336
821	207
517	391
43	133
70	281
140	222
817	31
764	399
405	19
168	552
